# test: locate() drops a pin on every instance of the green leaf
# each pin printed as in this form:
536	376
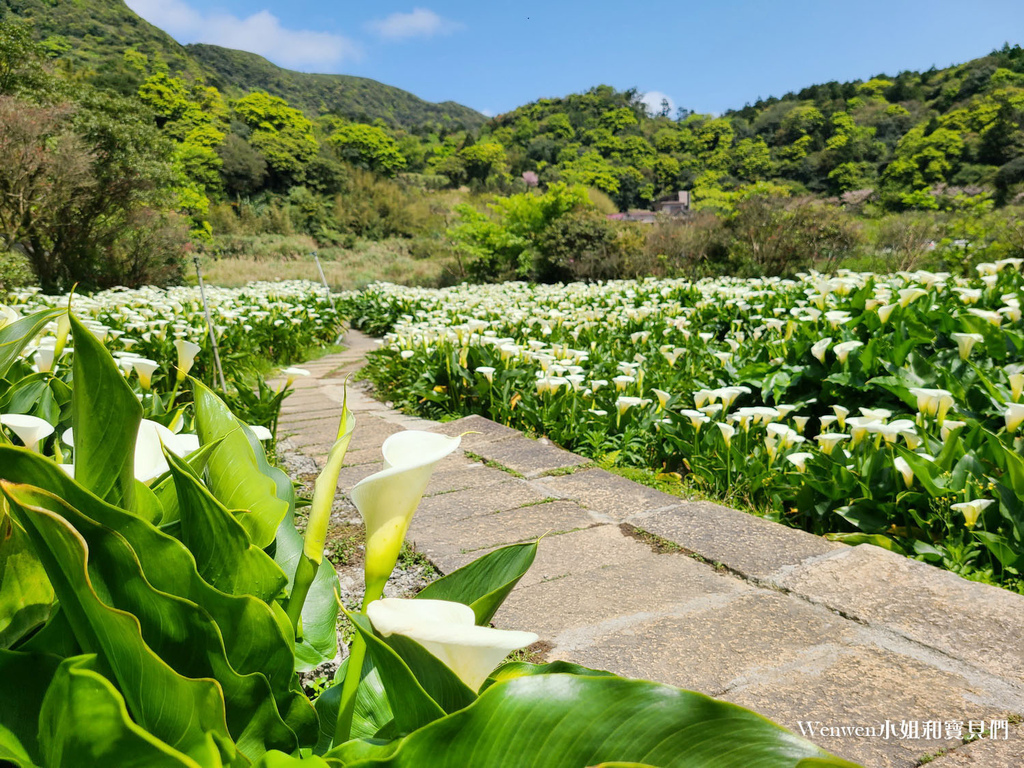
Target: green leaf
413	707
26	597
163	486
277	759
234	472
372	712
875	539
24	678
105	416
516	669
15	336
180	711
257	636
568	720
319	640
1000	547
224	555
84	721
484	584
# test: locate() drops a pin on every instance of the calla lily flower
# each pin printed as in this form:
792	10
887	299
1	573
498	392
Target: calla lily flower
448	630
799	460
149	456
1014	416
972	510
819	349
1016	385
829	440
487	372
29	429
388	499
145	369
965	342
904	469
844	349
293	374
187	352
728	430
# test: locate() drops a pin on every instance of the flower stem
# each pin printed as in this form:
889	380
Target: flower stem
304	575
354	673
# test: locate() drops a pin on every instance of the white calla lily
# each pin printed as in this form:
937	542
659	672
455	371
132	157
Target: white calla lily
388	499
29	429
187	352
448	630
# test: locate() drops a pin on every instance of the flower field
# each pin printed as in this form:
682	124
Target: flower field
158	601
158	336
872	408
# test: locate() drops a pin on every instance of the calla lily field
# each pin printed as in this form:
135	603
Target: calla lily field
882	409
158	601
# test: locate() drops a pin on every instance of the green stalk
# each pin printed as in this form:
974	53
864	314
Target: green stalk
304	575
353	674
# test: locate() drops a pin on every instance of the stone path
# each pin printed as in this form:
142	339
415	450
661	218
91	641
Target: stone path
643	584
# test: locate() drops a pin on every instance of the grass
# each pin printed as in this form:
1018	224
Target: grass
493	464
345	269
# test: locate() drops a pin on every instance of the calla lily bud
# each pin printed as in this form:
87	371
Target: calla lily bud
63	329
388	499
187	352
1014	416
325	488
448	630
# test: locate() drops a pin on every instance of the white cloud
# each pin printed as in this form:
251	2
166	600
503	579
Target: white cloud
419	22
487	112
653	101
260	33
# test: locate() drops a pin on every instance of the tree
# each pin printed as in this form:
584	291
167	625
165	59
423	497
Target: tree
483	159
243	169
369	147
282	134
76	185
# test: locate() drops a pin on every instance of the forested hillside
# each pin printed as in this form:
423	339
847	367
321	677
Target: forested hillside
91	36
223	153
909	137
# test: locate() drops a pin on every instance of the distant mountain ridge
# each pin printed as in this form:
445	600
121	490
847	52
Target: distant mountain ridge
94	34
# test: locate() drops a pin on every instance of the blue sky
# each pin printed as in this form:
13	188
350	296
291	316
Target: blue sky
706	56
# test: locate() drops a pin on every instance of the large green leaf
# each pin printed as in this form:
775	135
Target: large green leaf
234	471
180	634
484	584
372	716
224	555
15	336
105	416
180	711
258	636
26	597
84	721
516	669
319	628
24	678
413	707
163	486
568	721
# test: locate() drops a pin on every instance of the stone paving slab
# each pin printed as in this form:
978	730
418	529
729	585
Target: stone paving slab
978	623
530	458
608	494
798	628
438	537
750	546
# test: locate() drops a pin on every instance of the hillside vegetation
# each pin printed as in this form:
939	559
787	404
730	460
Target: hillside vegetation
92	35
238	158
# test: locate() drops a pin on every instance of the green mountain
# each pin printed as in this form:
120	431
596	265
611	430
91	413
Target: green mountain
92	36
358	98
909	140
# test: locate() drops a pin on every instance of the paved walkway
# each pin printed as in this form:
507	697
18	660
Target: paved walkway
638	582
